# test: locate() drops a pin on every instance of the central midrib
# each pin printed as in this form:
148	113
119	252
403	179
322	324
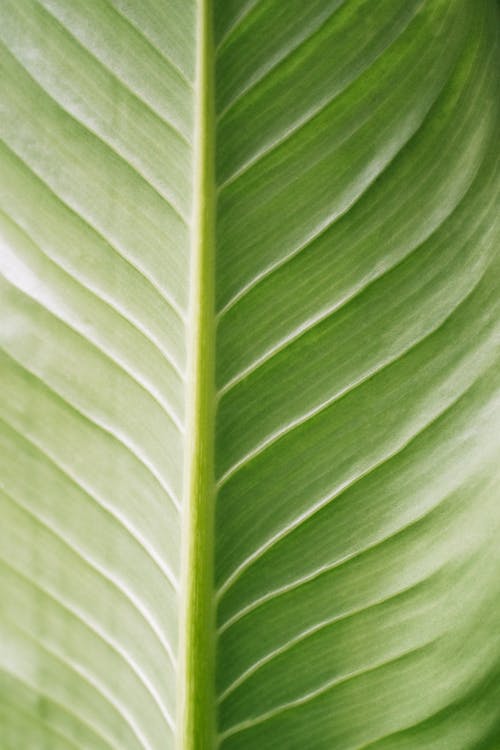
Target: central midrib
195	683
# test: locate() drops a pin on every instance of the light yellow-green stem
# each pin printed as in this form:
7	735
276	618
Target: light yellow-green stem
196	725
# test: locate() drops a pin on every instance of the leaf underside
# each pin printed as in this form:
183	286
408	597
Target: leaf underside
357	439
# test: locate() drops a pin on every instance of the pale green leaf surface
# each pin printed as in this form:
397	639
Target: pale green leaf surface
357	384
97	118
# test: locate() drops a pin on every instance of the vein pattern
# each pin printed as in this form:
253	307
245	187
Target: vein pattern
357	370
95	210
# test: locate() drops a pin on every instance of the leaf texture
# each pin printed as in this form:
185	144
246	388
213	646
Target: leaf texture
97	121
357	381
357	356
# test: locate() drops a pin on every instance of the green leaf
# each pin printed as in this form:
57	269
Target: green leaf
250	404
